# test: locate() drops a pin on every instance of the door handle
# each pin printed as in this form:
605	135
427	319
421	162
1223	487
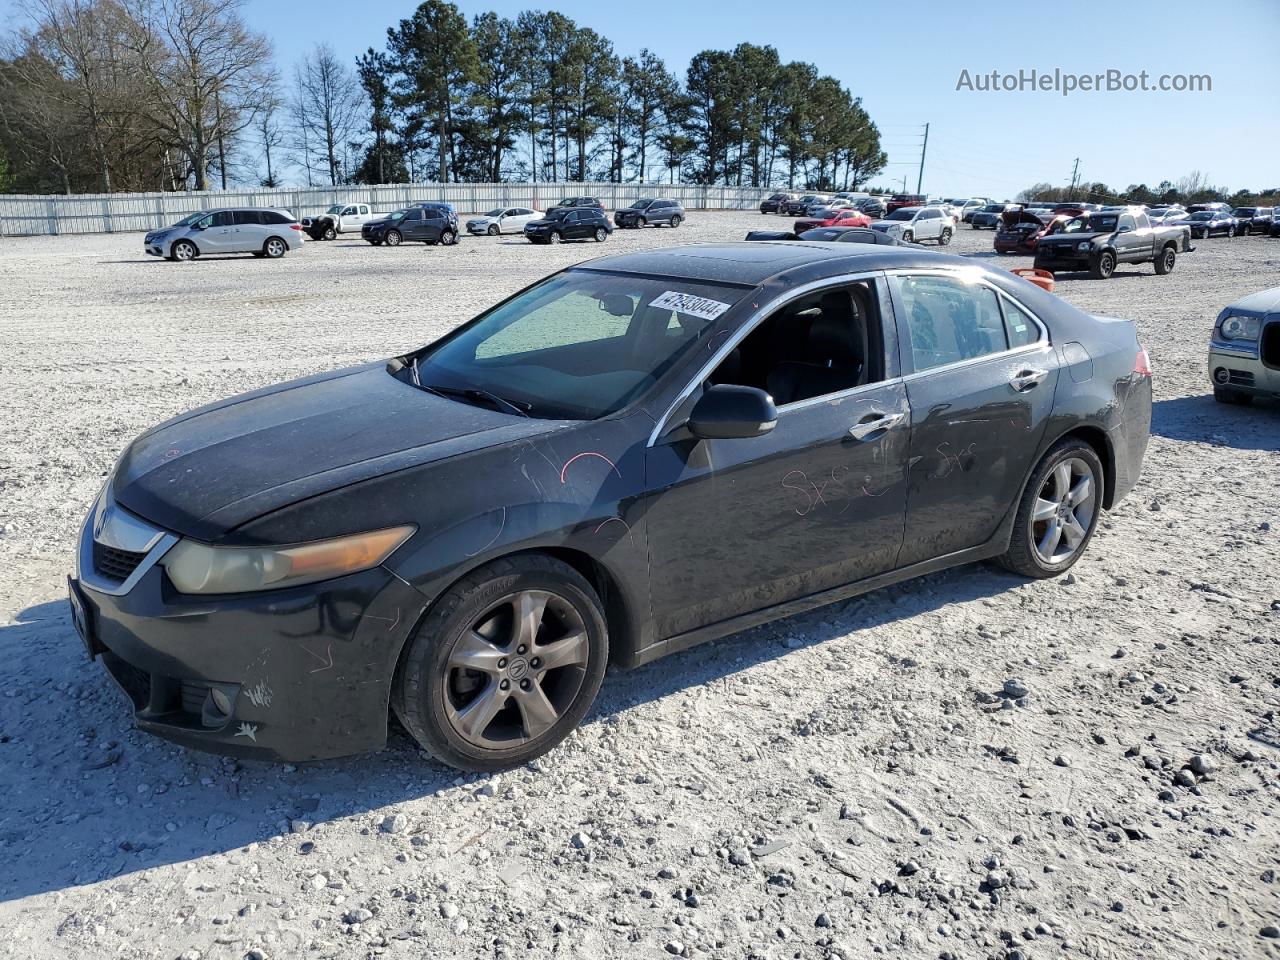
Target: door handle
1028	379
874	424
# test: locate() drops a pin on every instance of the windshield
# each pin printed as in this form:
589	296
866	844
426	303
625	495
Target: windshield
557	215
902	213
993	208
1204	215
1245	211
640	204
191	218
497	212
397	215
581	344
1089	225
336	208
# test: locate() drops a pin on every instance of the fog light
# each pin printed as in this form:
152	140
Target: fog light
1221	376
220	701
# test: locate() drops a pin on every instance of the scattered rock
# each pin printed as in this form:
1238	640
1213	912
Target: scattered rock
580	841
1015	689
395	823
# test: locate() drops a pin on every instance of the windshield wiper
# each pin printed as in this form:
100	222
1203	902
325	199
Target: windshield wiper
471	395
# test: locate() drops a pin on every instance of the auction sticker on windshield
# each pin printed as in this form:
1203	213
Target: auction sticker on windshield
687	303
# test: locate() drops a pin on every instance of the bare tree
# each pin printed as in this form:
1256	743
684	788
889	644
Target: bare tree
204	70
270	130
328	109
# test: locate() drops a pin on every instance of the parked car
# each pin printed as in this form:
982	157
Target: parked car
650	212
1098	241
873	207
421	224
1244	350
1206	223
822	211
834	234
1274	230
1253	219
965	209
848	217
262	231
1021	230
900	200
914	224
1165	214
1214	206
990	215
569	223
578	202
340	218
799	207
632	456
502	220
775	202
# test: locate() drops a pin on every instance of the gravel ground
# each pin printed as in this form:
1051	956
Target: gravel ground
965	766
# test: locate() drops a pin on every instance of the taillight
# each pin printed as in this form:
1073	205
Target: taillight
1142	365
296	226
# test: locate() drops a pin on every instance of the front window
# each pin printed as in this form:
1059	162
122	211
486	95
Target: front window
558	214
397	215
1201	216
1090	225
641	204
579	345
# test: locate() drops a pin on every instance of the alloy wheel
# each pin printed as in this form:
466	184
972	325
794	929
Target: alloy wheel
516	670
275	248
183	250
1064	511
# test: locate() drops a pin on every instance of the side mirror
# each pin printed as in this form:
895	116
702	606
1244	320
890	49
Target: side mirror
727	411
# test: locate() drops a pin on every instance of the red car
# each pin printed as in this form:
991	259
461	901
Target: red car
905	200
1022	229
841	218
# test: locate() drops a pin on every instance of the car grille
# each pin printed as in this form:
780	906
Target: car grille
1270	345
115	564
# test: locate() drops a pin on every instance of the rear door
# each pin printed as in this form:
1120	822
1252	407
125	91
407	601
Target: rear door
435	219
980	378
250	234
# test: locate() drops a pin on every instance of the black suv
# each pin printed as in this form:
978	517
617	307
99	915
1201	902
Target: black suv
650	211
427	223
773	203
569	223
568	202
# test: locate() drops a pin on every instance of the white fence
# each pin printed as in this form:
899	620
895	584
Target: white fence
123	212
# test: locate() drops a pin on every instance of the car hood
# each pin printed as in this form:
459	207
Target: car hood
543	222
484	220
889	225
211	470
380	222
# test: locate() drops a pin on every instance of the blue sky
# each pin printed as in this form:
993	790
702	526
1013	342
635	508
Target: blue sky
990	144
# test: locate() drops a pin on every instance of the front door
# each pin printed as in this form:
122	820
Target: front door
741	525
219	234
981	388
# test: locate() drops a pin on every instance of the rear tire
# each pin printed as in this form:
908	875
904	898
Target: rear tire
601	234
467	688
1103	266
1233	397
1166	260
274	248
448	238
640	222
944	238
1058	511
676	221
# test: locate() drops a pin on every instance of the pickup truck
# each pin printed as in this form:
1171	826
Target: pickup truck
340	218
1097	241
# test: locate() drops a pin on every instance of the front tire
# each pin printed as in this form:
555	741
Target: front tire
183	250
1166	260
393	238
493	230
505	666
1103	266
555	237
330	233
640	222
1058	512
908	236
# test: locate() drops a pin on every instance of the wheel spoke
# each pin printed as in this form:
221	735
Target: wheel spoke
1061	479
536	710
1073	532
1081	492
474	652
529	609
474	719
564	652
1045	509
1048	545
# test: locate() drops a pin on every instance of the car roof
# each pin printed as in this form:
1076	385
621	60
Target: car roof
752	263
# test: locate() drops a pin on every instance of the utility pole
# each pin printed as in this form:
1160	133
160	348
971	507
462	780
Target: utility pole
1071	191
923	147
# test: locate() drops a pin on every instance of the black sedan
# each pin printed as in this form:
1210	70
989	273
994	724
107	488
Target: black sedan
774	202
654	212
1207	223
834	235
423	224
569	223
632	456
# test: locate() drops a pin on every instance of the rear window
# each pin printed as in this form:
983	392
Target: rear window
270	216
243	217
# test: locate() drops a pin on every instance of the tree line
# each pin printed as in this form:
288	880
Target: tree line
134	95
1192	188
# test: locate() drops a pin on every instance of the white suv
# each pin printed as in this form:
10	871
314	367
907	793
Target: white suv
914	224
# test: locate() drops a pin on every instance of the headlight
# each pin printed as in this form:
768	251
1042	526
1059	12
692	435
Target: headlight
1083	245
1240	328
197	568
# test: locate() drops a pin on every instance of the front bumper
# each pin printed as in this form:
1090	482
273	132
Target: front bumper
1245	370
1053	257
300	674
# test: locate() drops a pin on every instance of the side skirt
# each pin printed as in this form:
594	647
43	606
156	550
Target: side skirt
683	641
